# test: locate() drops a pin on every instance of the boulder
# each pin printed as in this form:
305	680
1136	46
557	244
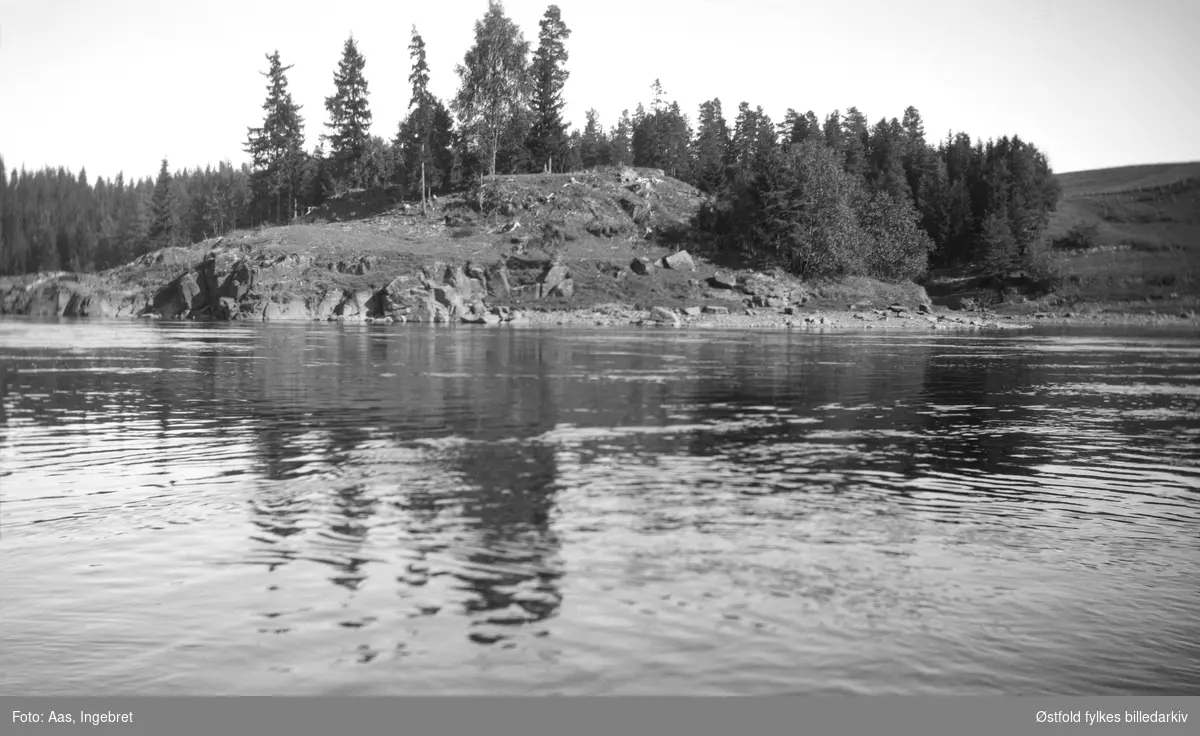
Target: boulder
680	261
132	306
94	306
217	263
711	309
449	298
227	308
722	281
551	278
692	311
353	307
497	280
326	308
467	286
365	300
638	211
426	310
565	288
641	266
293	309
191	293
74	305
664	315
238	283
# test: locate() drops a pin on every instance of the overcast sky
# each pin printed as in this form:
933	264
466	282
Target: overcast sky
115	85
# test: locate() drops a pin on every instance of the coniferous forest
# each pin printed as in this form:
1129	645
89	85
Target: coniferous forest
822	196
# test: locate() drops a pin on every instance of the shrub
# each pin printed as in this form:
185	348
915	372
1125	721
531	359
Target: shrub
1081	236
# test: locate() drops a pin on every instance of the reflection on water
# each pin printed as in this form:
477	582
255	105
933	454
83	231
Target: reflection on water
322	509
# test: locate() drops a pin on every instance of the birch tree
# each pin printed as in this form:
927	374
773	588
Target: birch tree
495	82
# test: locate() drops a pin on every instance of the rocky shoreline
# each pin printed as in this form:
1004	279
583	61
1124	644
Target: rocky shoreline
222	281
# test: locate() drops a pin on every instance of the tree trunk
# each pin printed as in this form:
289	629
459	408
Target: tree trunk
495	150
423	187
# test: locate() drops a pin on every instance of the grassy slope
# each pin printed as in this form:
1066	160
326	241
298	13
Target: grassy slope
1147	221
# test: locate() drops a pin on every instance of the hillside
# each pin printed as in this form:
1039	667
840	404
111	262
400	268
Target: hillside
612	241
1142	227
610	245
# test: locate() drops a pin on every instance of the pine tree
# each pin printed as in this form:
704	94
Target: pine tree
495	82
349	115
548	138
276	149
658	96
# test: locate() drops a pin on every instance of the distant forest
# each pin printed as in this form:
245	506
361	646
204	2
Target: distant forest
821	196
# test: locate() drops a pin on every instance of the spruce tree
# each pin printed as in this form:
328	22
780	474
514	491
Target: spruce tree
163	227
277	147
885	162
677	137
349	115
548	138
765	140
711	148
591	141
621	146
423	139
797	128
745	133
832	131
855	139
494	82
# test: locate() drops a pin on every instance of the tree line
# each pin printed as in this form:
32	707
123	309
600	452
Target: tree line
820	196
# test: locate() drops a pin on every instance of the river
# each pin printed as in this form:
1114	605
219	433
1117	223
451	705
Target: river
298	509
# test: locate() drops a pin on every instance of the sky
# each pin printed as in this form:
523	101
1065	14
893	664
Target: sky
117	85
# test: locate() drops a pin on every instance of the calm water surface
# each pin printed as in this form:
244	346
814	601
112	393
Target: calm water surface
214	509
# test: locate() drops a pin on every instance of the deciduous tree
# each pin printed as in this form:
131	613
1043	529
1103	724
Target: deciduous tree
494	82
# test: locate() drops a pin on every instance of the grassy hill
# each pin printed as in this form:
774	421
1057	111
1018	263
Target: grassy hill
1138	235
